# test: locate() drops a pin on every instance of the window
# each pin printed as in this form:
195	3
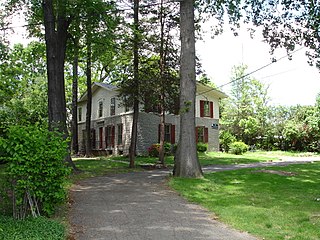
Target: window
169	133
113	106
120	131
206	109
100	138
79	114
110	136
100	110
201	134
93	138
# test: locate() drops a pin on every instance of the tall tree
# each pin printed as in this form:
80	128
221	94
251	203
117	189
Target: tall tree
89	93
56	26
245	111
134	131
186	159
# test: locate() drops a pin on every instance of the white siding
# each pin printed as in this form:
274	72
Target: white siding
211	99
104	96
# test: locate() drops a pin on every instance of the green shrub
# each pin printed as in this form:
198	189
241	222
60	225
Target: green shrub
238	148
36	167
154	149
202	147
226	138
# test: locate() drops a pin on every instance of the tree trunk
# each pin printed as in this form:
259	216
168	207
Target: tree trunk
75	144
162	80
186	159
162	133
56	42
89	96
134	132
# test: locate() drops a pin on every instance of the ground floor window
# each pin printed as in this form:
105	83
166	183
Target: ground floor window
110	136
100	137
169	133
201	134
120	133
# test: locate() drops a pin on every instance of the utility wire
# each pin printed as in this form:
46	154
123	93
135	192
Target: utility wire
250	73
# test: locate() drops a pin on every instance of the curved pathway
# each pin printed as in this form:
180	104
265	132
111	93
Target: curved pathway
139	206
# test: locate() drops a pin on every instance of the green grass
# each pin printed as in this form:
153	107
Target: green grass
267	205
211	158
93	167
31	229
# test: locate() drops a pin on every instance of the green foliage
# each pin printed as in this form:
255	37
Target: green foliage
31	228
24	89
36	165
238	148
154	149
226	138
202	147
244	114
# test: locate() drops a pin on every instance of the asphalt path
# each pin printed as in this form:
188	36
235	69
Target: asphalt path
139	206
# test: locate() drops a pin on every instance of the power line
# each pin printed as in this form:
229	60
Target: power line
250	73
279	73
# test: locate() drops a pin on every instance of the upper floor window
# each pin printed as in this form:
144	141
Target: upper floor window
100	109
113	106
79	114
206	109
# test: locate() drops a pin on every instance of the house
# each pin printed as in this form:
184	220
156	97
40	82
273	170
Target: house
112	121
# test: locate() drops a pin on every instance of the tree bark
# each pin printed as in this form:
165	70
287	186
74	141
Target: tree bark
134	132
186	159
75	144
89	95
162	80
56	42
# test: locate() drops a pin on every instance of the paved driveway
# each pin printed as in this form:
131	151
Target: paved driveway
138	206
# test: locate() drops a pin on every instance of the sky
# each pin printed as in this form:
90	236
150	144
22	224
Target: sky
290	82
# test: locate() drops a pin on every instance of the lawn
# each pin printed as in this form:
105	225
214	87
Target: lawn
279	204
218	158
217	190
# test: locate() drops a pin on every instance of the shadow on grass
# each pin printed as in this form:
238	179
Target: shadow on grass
268	205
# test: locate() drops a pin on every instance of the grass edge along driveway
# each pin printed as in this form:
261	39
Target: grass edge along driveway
276	203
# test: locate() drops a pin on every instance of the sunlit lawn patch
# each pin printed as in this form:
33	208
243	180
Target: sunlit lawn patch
211	158
268	205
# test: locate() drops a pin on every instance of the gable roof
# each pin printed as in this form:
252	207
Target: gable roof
94	88
203	89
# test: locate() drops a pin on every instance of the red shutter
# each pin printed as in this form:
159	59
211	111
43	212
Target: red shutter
211	109
196	134
93	138
100	137
173	134
206	137
112	135
159	132
106	135
201	108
